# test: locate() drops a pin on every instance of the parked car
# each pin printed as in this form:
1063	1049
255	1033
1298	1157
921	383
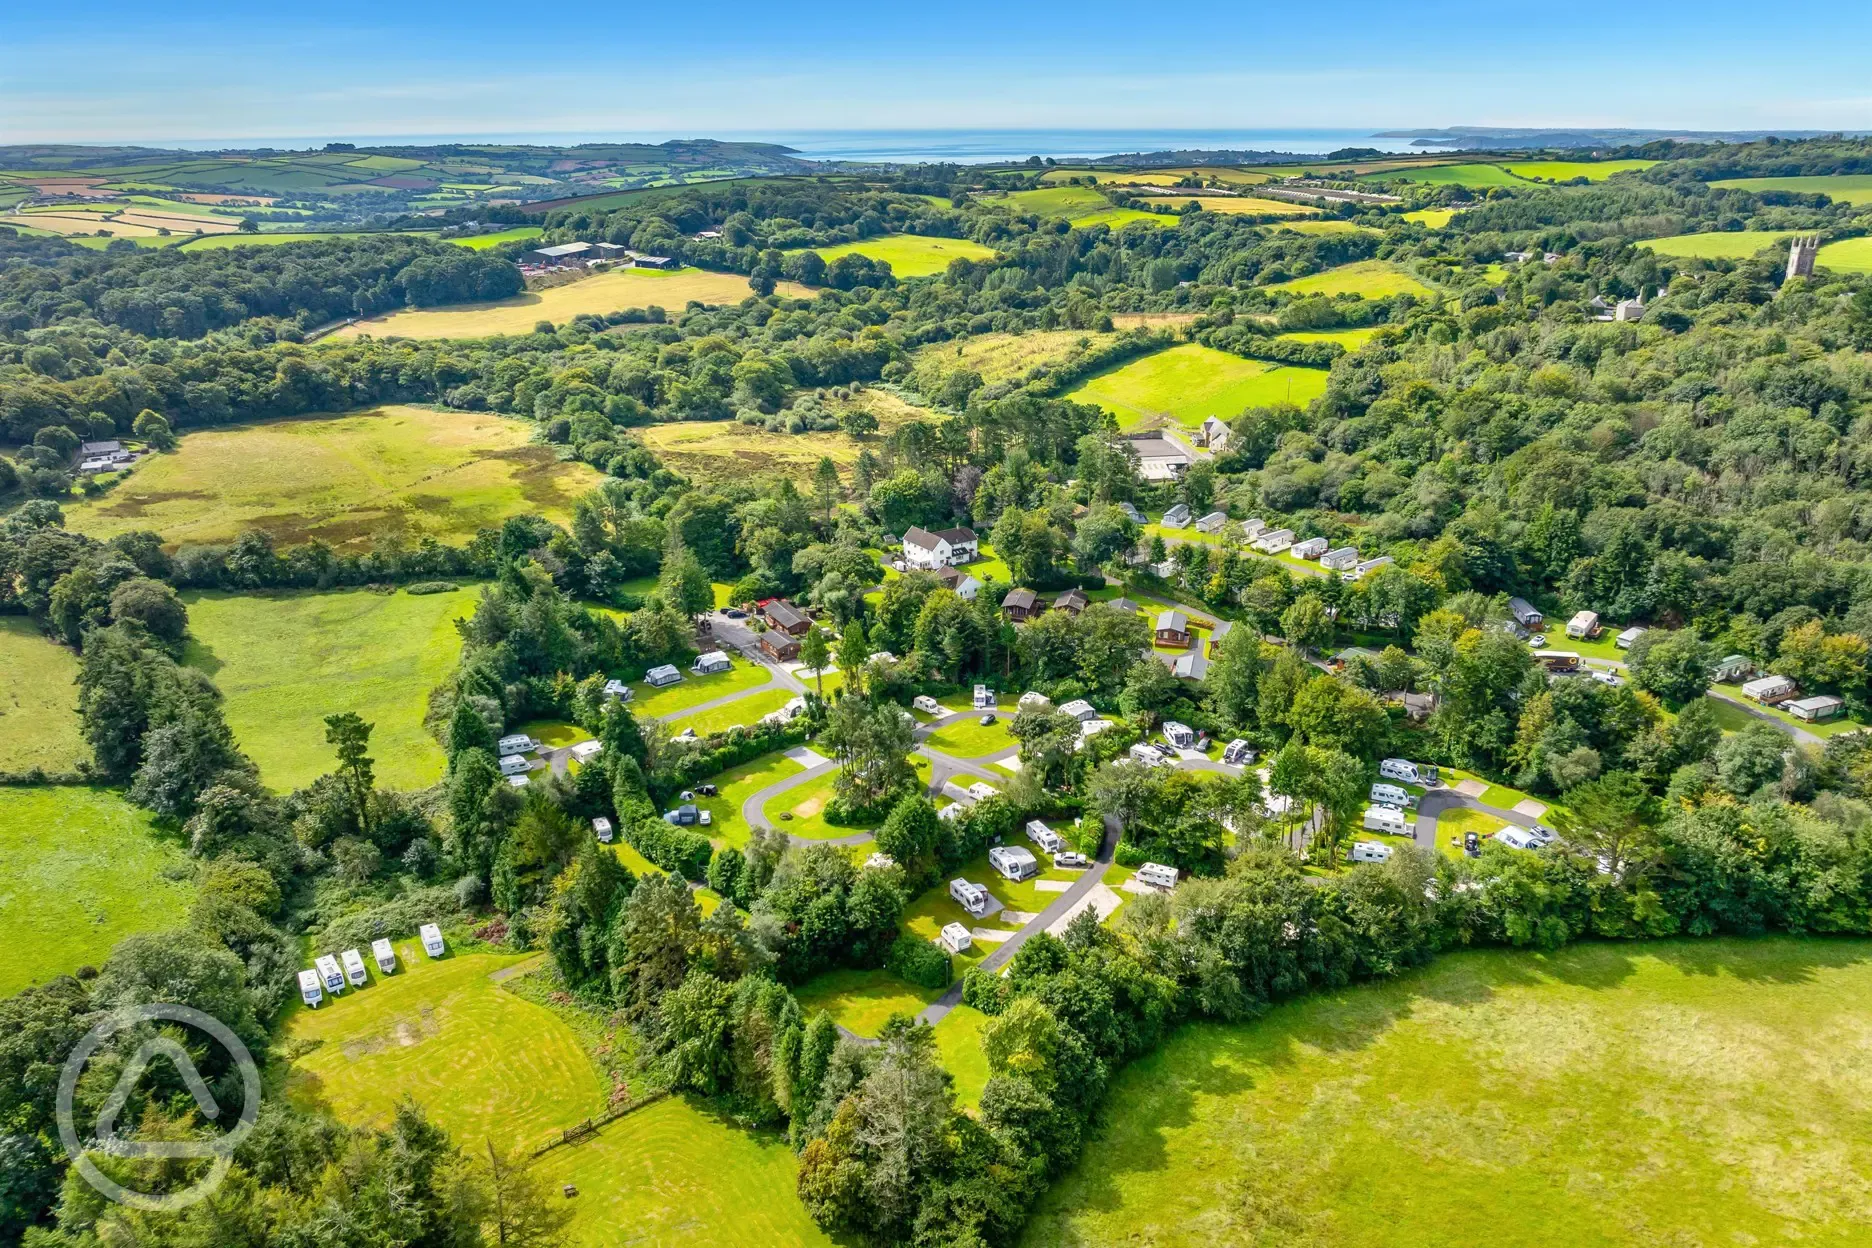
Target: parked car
986	720
1472	845
1542	833
706	790
1537	640
734	613
1070	858
1517	838
1610	680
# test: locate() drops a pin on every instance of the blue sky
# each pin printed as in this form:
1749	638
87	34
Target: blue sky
212	69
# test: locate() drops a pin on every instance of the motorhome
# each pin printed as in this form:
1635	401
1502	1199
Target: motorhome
1157	875
384	954
309	990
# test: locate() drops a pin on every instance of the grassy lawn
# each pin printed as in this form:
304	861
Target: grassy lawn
967	738
84	870
1685	1092
958	1039
38	701
1453	823
735	786
1433	218
485	1063
1185	384
1722	245
1350	339
601	293
862	1001
807	806
402	472
1372	279
1844	188
1080	205
910	255
677	1174
554	732
742	711
1831	728
1567	170
483	242
285	661
693	690
1848	255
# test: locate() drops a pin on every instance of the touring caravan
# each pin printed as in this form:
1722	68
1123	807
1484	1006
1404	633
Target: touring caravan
431	939
309	990
971	896
383	955
1401	770
1157	875
1370	851
1391	795
354	968
1049	841
329	974
1386	819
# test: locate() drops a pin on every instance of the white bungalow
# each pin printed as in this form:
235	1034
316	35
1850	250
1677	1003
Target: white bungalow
1365	568
1214	434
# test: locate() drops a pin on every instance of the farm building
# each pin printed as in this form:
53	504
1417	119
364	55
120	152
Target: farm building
562	253
1340	560
1274	541
1311	548
1172	628
1072	602
1770	690
710	663
961	583
1525	613
1014	862
785	617
1020	605
927	550
1816	709
955	938
1159	458
1176	518
657	677
1584	625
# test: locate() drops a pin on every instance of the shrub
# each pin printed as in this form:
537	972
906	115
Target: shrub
679	851
430	587
919	961
393	920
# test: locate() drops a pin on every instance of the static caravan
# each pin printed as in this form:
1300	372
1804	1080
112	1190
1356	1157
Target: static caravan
1518	838
1157	875
955	938
384	955
1816	709
1525	613
1033	701
1252	529
1624	640
1391	795
1341	559
1275	542
1369	851
1361	570
970	896
1176	518
1049	841
516	743
1386	819
1212	523
1583	626
1768	690
309	990
354	968
1734	667
1401	770
330	974
1014	862
1312	548
514	765
431	939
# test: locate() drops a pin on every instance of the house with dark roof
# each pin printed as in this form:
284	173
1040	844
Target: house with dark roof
1073	601
964	585
785	617
1021	605
1173	629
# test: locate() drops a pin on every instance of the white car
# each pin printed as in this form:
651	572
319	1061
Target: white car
1542	834
1609	679
1070	858
1517	838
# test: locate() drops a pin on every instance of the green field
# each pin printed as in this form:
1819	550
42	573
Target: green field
742	711
1848	255
911	255
481	242
84	869
1327	225
693	690
958	1039
284	661
38	701
862	1001
1350	339
1845	188
735	786
807	805
1567	170
390	472
1001	357
1371	279
1433	218
967	738
1719	245
1684	1093
266	239
1186	383
1475	176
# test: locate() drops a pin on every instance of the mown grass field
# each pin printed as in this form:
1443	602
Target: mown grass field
38	701
1186	383
862	1001
1327	225
1845	188
402	472
742	711
1475	176
1432	218
1251	204
482	242
807	803
1848	255
1567	170
1350	339
911	255
1716	245
600	293
958	1039
1371	279
84	869
1707	1092
485	1063
735	786
648	702
284	661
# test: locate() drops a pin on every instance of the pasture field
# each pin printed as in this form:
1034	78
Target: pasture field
1327	225
909	255
1848	255
481	242
1717	245
1160	177
38	701
284	661
85	869
676	1174
1250	204
1118	218
728	448
1845	188
73	221
1350	339
389	472
1371	279
1081	205
693	690
1567	170
1475	176
1186	383
612	291
1689	1092
1001	357
485	1063
1431	218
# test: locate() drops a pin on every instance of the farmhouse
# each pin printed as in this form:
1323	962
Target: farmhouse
1311	548
1770	690
1072	602
927	550
784	616
1214	434
1583	626
1341	559
710	663
1816	709
1172	629
1176	518
1525	614
964	586
1212	523
657	677
1160	459
1020	605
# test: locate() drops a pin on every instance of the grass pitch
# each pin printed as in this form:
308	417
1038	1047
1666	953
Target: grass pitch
391	472
1717	245
84	870
613	291
911	255
1845	188
284	661
1371	279
862	1001
1186	383
692	690
38	701
1676	1093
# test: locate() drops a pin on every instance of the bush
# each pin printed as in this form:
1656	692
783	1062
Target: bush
679	851
984	992
430	587
919	961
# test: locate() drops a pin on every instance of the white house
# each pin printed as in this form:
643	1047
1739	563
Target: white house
1583	625
515	743
601	828
961	583
1157	875
384	955
431	939
1159	458
1769	690
970	896
1311	548
710	663
1274	541
1079	709
1013	862
1177	517
1214	434
309	990
955	938
1341	559
927	550
667	674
